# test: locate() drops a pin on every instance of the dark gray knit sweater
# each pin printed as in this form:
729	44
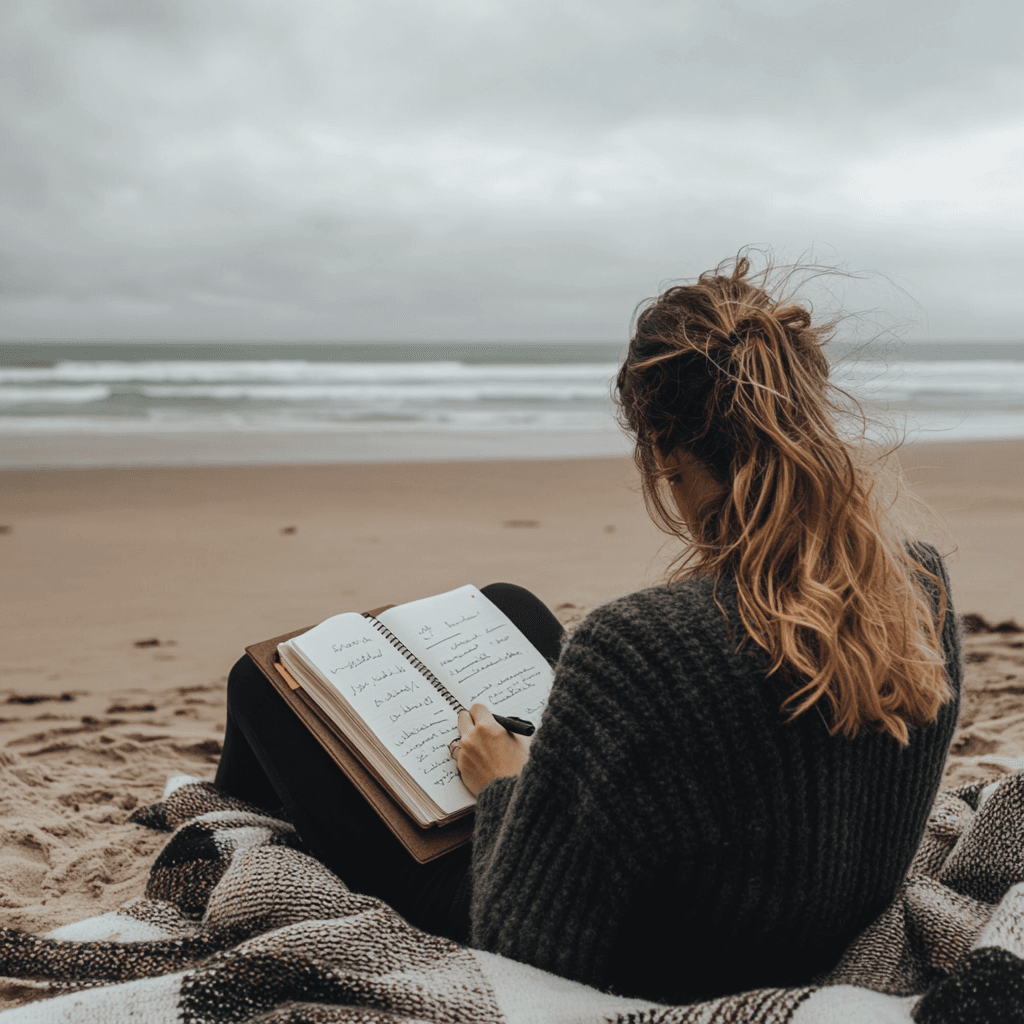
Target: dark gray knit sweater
672	835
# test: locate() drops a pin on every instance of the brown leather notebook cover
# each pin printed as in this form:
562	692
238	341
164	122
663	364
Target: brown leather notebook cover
424	844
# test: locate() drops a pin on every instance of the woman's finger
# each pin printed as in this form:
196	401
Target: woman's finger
482	715
465	722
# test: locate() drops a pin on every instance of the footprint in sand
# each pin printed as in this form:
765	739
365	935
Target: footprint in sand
24	863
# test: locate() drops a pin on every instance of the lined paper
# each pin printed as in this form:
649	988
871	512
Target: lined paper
475	650
408	715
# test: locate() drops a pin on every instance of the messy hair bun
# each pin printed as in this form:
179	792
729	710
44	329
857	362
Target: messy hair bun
723	371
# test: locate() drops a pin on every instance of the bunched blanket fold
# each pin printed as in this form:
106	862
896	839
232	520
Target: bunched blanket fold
239	924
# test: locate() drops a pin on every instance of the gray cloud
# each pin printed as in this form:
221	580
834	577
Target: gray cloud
456	169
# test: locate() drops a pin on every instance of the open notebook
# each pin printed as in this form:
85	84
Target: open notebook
392	684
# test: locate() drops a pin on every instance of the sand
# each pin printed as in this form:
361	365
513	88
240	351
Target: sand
127	595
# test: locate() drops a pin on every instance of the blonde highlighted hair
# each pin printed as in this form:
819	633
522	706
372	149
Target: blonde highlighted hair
724	372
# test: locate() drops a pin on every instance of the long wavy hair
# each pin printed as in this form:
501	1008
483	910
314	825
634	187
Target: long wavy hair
721	371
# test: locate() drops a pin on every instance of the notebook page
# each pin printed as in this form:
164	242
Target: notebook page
475	650
412	720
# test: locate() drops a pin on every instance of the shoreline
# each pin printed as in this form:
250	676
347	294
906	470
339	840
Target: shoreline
385	444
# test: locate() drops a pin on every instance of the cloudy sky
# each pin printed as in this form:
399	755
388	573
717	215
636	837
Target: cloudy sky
497	169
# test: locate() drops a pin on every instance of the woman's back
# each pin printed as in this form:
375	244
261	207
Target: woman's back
692	840
795	839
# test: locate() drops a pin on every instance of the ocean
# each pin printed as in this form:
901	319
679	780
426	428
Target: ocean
154	404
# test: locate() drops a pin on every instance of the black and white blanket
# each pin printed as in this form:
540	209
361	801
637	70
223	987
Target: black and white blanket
238	924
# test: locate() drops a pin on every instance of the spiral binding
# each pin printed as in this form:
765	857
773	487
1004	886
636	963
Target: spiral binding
416	663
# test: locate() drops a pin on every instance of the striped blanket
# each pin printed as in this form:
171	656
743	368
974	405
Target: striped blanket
239	924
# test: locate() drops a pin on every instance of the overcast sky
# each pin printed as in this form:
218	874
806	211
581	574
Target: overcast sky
496	169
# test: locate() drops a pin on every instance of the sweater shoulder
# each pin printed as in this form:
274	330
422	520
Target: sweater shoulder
951	627
674	640
677	621
687	605
928	557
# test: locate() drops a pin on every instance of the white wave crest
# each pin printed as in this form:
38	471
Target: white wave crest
900	381
175	422
304	371
393	393
54	396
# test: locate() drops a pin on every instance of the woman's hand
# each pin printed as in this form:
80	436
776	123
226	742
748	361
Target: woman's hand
485	751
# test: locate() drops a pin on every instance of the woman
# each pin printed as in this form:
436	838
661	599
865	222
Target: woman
735	769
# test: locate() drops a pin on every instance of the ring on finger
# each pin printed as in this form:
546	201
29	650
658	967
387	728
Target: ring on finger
453	748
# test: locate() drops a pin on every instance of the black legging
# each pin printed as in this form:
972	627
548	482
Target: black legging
271	759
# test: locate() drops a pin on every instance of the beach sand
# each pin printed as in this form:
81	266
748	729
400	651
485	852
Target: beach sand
127	595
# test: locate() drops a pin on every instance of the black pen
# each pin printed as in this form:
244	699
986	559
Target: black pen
517	725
